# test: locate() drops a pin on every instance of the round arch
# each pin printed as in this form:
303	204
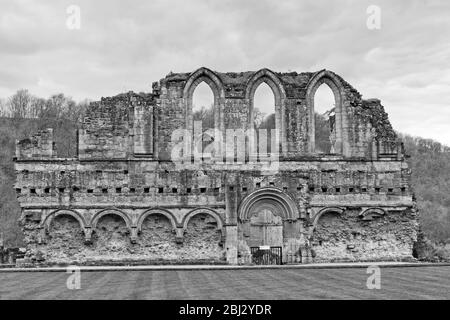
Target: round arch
106	212
202	210
63	212
156	211
275	197
334	210
372	211
336	86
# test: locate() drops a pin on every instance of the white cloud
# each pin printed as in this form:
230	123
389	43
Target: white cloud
127	45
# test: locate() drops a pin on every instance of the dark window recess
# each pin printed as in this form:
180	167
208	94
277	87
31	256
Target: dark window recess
403	189
132	190
160	190
76	189
33	191
244	189
174	190
202	190
90	190
61	190
146	190
188	190
18	190
258	184
364	189
125	171
99	171
377	189
324	189
299	188
231	188
311	189
47	190
351	189
104	190
216	190
62	172
271	183
390	190
338	190
285	188
118	190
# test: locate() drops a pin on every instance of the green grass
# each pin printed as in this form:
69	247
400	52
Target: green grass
272	284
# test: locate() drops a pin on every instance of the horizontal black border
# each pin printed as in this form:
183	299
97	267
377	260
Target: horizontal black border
171	309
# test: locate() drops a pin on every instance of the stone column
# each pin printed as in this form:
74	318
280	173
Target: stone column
1	248
231	243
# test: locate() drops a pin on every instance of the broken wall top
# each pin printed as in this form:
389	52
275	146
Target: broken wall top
130	124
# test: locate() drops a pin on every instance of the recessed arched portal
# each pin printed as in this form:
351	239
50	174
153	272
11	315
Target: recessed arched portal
263	215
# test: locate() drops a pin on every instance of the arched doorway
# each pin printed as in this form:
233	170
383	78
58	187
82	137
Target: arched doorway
269	220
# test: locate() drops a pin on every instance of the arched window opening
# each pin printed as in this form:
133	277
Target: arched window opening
324	117
203	118
264	117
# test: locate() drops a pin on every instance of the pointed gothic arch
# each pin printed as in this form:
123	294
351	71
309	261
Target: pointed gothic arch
337	87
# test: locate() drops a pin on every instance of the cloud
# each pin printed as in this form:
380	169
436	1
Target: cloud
127	45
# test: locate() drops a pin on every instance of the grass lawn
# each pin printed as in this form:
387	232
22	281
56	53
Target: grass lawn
272	284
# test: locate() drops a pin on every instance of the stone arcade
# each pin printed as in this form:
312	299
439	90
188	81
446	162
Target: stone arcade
123	199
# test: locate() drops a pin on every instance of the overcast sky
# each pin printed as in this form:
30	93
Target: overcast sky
126	45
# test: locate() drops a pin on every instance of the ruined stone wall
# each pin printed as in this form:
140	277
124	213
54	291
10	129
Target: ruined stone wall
123	199
65	242
115	128
313	186
40	145
349	237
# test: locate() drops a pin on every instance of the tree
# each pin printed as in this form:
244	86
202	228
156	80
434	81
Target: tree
38	107
20	103
268	122
206	116
258	117
322	134
3	109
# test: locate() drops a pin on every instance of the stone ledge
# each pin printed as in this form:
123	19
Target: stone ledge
232	267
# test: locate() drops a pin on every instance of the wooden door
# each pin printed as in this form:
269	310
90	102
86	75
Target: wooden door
266	229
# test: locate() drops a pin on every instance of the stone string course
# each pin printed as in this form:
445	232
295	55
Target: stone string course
123	200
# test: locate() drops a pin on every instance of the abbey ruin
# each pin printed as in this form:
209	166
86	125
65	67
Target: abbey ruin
140	191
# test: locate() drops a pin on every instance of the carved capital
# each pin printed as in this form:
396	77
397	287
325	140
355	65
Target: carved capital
42	235
179	235
134	234
88	235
